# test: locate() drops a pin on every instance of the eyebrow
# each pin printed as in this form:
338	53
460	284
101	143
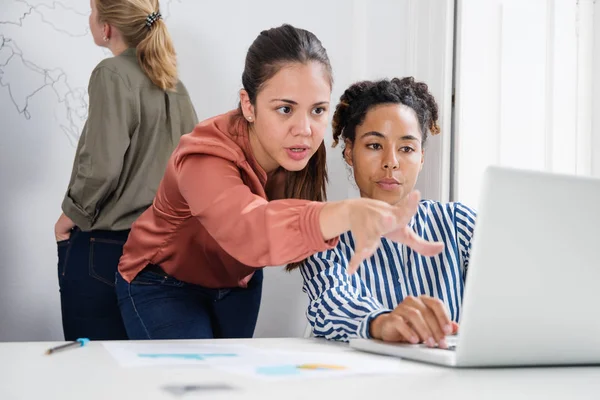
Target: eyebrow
381	135
320	103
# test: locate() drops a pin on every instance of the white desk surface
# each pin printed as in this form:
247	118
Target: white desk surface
90	373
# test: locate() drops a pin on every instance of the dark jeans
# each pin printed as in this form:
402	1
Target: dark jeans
87	264
157	306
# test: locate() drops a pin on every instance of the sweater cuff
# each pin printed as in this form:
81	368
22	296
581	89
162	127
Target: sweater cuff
363	328
310	228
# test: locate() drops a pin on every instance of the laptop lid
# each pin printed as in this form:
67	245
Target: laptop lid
532	292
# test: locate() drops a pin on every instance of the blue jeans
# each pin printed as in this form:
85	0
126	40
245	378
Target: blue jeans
158	306
87	264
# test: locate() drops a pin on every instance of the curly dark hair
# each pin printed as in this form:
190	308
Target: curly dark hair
359	98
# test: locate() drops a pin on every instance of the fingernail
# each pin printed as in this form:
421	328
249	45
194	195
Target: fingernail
443	344
430	342
414	339
448	329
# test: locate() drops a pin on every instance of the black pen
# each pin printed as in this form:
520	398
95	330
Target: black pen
78	343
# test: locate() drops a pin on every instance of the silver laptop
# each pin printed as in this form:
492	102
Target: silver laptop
532	295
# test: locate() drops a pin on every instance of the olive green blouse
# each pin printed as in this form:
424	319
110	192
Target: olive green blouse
132	128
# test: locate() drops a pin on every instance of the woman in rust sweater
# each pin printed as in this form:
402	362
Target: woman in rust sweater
243	191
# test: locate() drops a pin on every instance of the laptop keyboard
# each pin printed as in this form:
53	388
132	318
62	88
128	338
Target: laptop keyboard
451	347
450	340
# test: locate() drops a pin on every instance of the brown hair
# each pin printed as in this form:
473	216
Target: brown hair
153	43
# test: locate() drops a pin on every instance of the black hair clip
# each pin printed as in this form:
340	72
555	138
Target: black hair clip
152	18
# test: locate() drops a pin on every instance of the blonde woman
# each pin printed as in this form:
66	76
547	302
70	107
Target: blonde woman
138	110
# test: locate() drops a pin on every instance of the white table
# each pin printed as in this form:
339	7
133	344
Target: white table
91	373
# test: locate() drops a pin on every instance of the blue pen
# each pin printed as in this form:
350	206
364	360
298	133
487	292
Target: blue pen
78	343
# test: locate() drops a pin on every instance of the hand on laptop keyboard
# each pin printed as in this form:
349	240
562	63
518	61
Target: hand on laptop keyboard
422	319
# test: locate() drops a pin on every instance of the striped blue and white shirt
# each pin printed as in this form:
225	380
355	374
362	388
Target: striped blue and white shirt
341	306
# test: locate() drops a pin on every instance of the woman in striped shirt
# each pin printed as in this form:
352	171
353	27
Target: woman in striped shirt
397	295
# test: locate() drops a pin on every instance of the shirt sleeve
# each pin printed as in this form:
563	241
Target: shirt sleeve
465	226
341	306
103	144
189	117
251	229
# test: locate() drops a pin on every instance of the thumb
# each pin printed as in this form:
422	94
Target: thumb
406	209
411	202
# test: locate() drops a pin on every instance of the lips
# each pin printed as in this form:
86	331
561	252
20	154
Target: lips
389	181
388	184
298	152
297	148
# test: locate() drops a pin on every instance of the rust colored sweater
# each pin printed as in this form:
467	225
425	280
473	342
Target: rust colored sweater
210	223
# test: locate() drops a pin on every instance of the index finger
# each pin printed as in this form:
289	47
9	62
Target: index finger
408	207
439	310
422	246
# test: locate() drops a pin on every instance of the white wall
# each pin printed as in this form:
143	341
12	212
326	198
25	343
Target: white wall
524	78
364	39
596	93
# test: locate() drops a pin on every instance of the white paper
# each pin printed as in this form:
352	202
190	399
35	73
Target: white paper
153	354
282	365
258	363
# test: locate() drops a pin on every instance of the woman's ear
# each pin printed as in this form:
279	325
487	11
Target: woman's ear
247	107
348	152
422	159
106	30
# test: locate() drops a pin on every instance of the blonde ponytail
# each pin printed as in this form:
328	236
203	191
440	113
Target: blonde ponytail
156	56
155	51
